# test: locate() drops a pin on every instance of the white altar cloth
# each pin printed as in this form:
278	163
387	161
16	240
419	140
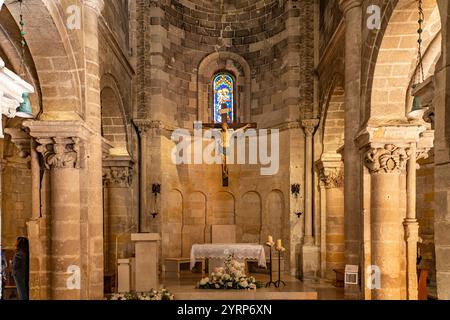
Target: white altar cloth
240	251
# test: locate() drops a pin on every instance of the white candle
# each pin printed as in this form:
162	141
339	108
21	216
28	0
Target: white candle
270	239
279	243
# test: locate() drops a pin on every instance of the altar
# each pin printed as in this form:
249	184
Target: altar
218	253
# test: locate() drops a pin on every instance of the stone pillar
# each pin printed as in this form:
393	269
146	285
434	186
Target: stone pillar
61	157
386	164
147	261
144	127
61	145
353	19
117	174
310	252
92	190
309	127
332	177
441	104
411	226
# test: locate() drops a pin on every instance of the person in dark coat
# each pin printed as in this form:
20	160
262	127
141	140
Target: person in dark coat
20	267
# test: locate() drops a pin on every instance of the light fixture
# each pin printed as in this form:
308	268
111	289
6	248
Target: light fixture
295	189
417	112
25	109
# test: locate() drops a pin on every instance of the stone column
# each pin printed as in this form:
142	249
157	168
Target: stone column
353	19
117	174
92	218
61	157
332	176
309	127
441	104
411	226
144	128
310	255
386	164
61	145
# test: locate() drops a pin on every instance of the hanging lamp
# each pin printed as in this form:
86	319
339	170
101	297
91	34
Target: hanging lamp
418	110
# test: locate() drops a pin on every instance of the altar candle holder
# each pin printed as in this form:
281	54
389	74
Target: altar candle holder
271	282
279	282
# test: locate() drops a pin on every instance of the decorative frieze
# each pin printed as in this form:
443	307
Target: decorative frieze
60	153
387	159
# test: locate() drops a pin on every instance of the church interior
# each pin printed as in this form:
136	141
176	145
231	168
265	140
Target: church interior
145	142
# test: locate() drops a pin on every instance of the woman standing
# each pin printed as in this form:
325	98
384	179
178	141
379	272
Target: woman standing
20	267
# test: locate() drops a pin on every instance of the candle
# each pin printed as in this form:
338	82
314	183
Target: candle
270	239
279	243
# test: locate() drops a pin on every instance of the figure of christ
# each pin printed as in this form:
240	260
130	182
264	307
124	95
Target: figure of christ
228	132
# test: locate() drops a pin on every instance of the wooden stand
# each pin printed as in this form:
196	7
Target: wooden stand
279	282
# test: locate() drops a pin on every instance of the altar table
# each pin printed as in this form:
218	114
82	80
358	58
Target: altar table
223	251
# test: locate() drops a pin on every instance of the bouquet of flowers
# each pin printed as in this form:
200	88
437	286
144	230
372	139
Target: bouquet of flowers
231	276
153	295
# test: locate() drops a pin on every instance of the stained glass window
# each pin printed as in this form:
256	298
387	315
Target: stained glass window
223	98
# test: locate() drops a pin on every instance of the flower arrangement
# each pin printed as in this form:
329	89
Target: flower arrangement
232	276
153	295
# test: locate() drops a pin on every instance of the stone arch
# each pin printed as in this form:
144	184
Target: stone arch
223	209
393	58
223	61
248	218
273	222
114	118
53	51
194	222
172	228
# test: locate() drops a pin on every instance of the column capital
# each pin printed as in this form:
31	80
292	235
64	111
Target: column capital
118	172
310	125
331	171
96	5
60	153
61	143
387	159
346	5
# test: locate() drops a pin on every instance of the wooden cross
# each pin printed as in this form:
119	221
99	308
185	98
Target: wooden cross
226	136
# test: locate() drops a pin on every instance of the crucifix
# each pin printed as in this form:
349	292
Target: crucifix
228	132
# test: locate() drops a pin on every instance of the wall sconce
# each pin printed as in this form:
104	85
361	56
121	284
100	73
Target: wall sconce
298	214
295	190
156	189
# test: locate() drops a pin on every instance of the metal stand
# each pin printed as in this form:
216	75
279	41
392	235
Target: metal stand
279	282
268	284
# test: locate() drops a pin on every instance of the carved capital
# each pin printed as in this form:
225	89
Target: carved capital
118	177
387	159
347	5
96	5
21	140
332	178
310	126
60	153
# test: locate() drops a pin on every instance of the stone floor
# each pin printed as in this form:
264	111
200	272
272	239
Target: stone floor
325	291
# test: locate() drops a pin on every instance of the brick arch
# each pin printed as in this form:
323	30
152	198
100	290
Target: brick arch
392	58
54	56
223	61
114	118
